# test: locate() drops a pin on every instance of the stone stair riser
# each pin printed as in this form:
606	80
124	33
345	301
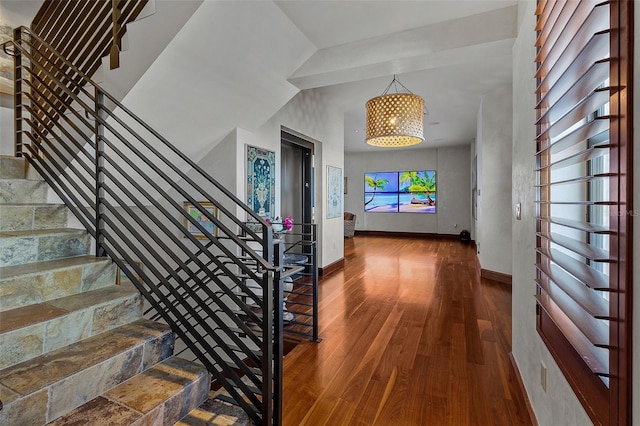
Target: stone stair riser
21	191
17	168
18	250
178	387
38	287
29	342
36	401
24	217
74	348
12	168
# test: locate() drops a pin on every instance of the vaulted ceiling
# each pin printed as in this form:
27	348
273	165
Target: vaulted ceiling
449	52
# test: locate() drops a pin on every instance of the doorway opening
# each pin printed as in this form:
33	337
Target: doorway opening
296	171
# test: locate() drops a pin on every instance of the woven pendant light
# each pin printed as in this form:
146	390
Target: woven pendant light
395	119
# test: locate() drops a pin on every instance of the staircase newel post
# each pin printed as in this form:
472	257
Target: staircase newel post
267	346
99	163
17	92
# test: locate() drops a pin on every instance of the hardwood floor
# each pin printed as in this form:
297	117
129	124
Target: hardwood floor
411	336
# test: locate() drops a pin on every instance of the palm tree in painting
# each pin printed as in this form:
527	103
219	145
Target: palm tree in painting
430	185
375	184
421	184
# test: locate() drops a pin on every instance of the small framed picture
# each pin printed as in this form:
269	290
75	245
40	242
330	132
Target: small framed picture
122	278
201	218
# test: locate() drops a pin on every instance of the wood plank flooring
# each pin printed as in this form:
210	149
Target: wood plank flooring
411	336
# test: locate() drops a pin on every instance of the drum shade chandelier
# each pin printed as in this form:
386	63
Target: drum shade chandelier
395	119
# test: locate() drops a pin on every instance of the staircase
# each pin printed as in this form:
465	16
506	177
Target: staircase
74	348
77	349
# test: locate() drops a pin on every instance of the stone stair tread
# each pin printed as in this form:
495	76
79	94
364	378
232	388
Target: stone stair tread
14	204
166	391
28	315
49	265
215	412
29	331
39	312
41	232
18	179
32	375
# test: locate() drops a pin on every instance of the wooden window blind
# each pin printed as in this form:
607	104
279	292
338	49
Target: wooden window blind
584	195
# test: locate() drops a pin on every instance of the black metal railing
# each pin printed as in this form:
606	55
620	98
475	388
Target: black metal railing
300	287
169	226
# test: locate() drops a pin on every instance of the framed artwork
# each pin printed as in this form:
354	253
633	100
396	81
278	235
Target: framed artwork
203	220
345	185
334	192
122	278
261	180
405	191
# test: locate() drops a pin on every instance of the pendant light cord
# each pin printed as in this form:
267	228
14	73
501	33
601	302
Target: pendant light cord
395	83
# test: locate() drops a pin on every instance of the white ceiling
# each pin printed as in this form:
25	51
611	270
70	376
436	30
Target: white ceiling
449	52
18	12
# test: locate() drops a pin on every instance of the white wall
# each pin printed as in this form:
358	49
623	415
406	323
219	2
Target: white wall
472	219
6	130
558	405
453	209
493	148
310	114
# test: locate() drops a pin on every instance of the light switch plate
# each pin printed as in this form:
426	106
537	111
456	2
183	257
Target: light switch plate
518	211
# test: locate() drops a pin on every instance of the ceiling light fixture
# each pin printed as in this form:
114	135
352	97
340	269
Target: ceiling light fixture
395	119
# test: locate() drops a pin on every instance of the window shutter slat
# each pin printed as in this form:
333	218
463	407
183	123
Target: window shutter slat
550	15
582	272
596	331
587	131
550	36
575	224
587	106
587	298
562	97
540	7
571	65
583	249
587	21
595	357
580	157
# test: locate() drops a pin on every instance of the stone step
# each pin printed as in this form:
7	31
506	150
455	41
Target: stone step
16	168
21	285
215	412
20	247
23	191
30	331
161	395
42	389
22	217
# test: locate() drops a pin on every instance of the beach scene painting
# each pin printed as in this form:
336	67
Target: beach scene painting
400	192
